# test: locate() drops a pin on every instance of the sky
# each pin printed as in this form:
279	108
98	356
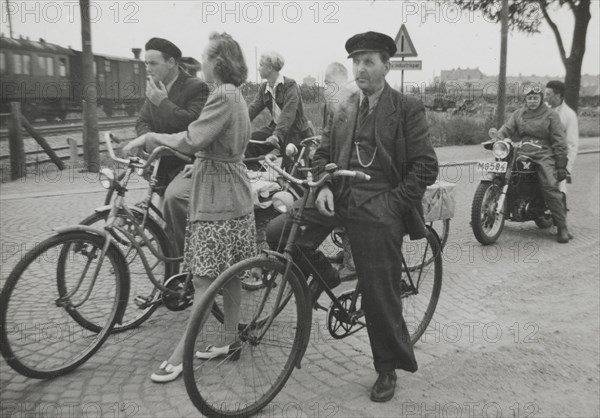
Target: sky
308	34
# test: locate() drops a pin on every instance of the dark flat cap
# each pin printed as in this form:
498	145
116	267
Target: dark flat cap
191	63
370	42
162	45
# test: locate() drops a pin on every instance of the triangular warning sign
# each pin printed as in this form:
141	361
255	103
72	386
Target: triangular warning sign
404	44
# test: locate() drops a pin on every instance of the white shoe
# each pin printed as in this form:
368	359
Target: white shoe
233	351
166	373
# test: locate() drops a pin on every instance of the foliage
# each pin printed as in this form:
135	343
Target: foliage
526	16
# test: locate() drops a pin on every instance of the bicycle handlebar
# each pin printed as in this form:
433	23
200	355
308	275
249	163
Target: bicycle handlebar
332	171
137	161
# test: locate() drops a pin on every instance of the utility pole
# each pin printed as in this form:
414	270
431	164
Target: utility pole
91	152
502	75
8	13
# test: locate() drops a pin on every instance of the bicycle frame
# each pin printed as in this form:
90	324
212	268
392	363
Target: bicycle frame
295	218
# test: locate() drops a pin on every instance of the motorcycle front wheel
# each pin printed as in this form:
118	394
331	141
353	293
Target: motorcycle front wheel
486	224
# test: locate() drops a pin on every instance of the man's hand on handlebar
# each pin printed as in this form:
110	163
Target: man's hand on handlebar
273	140
132	147
324	201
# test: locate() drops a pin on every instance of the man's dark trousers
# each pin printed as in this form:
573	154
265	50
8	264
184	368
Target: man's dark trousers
375	234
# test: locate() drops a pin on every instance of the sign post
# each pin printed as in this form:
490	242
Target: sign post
405	48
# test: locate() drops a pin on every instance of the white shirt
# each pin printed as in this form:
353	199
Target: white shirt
568	118
276	110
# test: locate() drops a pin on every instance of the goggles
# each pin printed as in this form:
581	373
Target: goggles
532	89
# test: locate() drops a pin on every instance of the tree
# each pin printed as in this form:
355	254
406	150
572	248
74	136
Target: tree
526	16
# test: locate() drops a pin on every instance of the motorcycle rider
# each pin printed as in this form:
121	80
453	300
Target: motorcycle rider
540	125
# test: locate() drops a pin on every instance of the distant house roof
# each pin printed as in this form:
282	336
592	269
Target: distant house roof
33	46
462	74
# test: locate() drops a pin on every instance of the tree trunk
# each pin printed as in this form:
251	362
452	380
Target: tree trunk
574	62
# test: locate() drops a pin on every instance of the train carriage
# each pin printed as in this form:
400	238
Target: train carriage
120	82
36	74
47	79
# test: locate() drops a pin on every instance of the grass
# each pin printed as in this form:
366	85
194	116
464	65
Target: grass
589	126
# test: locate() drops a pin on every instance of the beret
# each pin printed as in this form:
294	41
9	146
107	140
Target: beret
370	42
162	45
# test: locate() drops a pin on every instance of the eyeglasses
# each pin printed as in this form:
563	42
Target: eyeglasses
532	89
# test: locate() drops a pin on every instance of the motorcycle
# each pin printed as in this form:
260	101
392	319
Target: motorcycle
510	190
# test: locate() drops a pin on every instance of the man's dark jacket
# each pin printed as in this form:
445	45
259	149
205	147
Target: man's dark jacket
292	125
404	150
185	101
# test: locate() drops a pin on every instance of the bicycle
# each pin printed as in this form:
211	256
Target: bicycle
252	372
146	210
50	327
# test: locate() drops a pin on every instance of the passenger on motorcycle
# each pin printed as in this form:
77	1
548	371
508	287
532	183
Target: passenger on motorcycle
536	123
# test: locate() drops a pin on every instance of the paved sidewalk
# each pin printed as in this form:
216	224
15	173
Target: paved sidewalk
49	181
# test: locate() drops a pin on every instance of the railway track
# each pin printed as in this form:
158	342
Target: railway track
74	126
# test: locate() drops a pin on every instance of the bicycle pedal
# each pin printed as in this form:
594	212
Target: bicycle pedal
144	303
318	307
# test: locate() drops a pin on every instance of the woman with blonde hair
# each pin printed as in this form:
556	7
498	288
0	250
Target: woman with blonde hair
221	228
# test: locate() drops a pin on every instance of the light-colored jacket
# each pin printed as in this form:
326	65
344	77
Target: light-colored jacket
568	118
218	138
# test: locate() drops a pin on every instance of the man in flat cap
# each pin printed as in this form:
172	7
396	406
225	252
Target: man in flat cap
384	134
174	99
281	96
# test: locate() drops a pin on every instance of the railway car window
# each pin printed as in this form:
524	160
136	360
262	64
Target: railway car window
3	63
95	68
26	64
17	64
50	66
42	65
62	67
107	67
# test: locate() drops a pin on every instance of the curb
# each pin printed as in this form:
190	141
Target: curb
88	191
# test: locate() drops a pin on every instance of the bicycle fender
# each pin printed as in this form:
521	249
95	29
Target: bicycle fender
107	208
79	228
103	208
303	283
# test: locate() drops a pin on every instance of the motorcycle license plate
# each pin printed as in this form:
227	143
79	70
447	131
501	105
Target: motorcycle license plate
493	166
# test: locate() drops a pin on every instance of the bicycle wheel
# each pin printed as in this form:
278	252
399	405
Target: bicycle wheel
422	283
242	382
38	336
145	297
442	228
263	277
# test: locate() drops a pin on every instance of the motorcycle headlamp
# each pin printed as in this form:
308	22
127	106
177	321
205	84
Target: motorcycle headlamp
283	202
107	177
501	149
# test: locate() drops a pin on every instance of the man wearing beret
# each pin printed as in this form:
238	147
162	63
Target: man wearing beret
281	96
384	134
174	99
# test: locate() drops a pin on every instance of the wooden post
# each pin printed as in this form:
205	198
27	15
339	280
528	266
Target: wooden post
91	142
74	152
15	143
42	141
502	75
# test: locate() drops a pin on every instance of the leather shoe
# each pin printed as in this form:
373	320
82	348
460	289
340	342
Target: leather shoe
315	289
563	235
384	388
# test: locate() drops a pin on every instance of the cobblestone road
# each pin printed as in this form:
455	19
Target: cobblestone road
515	332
